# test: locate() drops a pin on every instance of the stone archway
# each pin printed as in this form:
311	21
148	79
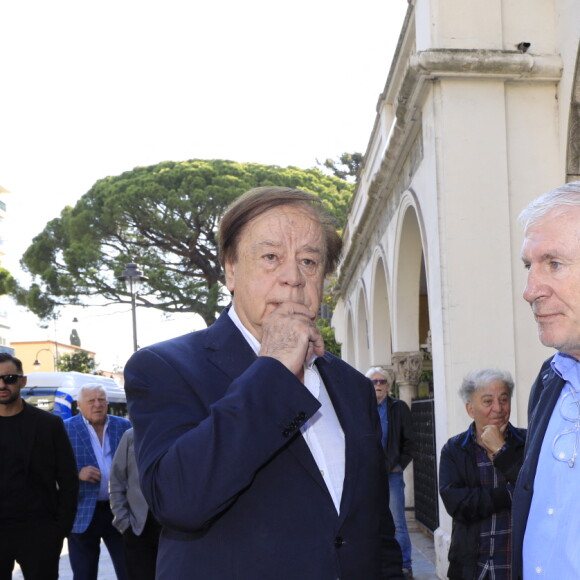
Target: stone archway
362	333
381	346
349	349
408	265
408	274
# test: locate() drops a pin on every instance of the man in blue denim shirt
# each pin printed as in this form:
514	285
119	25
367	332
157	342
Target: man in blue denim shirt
398	443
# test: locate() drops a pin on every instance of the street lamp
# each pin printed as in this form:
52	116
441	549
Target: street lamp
133	277
36	362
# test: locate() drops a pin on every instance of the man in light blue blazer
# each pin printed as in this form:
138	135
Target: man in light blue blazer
94	437
259	452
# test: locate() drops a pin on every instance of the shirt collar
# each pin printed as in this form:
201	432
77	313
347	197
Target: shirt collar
87	422
568	368
250	338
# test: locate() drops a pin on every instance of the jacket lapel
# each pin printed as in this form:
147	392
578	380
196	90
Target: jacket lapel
552	386
84	436
228	350
113	434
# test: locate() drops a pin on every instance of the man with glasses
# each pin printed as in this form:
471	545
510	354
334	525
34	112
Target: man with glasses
398	443
38	481
546	526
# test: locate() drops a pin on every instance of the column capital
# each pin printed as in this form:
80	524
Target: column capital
408	367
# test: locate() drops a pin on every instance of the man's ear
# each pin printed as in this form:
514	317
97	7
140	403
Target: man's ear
469	409
230	273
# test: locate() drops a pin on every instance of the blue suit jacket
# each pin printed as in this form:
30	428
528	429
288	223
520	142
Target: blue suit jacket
543	398
84	454
225	469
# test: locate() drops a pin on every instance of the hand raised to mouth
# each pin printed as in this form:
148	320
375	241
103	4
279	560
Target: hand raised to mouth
290	335
493	438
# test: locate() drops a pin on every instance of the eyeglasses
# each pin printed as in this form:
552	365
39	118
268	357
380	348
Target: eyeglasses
379	381
566	444
10	379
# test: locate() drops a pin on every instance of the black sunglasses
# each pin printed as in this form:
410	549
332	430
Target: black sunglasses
10	379
379	381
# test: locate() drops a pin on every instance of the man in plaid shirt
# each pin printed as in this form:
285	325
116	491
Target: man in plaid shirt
478	469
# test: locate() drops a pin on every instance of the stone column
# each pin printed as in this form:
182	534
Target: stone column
408	367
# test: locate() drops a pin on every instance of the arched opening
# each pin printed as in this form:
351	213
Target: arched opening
381	347
362	333
408	267
348	347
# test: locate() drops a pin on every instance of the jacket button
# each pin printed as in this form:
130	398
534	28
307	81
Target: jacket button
527	486
338	542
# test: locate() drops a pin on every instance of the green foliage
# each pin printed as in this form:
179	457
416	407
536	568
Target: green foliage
346	167
79	361
33	298
323	322
165	218
327	332
7	282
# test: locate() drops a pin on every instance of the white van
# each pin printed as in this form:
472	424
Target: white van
57	392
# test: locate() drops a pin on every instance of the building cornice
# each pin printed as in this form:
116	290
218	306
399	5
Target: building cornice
405	94
506	64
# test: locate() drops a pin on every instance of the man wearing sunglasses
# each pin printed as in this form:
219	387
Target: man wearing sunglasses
398	444
38	481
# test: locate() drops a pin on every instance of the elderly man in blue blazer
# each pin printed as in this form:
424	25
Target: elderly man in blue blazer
259	452
94	436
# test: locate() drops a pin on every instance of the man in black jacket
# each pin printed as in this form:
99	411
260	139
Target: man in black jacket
477	472
398	443
38	481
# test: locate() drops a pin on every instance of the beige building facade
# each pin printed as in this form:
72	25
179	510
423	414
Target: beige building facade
45	353
479	115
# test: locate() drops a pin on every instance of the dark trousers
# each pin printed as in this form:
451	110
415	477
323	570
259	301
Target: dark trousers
35	547
141	551
84	549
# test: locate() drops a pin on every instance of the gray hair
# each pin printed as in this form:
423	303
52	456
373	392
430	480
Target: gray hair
562	197
386	373
90	387
481	377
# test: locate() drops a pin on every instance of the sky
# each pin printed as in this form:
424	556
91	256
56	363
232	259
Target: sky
93	89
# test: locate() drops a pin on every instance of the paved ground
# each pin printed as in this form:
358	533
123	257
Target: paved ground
423	559
106	570
423	554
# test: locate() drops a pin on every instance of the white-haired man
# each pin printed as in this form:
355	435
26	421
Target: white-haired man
545	526
399	446
94	436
